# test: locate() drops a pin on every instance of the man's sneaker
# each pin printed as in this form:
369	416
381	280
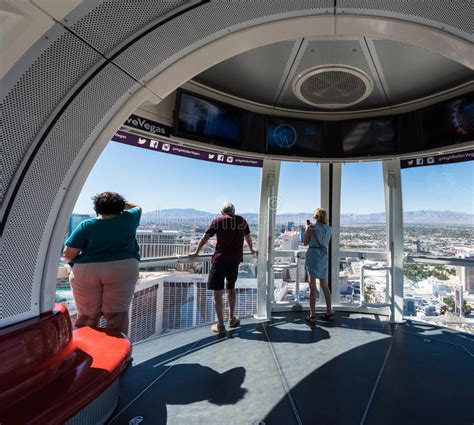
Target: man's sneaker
234	322
217	328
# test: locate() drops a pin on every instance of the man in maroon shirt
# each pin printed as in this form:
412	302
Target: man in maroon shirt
231	230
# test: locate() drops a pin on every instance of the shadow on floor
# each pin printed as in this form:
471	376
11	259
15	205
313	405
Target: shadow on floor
334	392
190	383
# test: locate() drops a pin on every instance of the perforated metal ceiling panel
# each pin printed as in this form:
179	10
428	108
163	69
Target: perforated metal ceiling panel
161	47
256	75
29	225
316	53
107	24
411	72
29	95
455	16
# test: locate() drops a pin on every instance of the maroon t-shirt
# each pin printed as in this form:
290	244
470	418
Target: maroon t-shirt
230	231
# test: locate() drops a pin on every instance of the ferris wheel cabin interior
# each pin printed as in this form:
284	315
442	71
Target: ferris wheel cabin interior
249	84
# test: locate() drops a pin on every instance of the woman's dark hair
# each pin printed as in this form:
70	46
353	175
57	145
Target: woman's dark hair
108	203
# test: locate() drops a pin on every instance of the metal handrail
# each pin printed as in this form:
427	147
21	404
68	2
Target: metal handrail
447	261
181	259
365	255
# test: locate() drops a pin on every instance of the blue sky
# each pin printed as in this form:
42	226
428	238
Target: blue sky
158	181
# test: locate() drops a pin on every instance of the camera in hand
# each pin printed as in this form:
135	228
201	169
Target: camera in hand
308	223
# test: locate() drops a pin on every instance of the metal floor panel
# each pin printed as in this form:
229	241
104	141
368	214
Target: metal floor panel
358	370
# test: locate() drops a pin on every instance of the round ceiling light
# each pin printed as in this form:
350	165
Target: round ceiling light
333	86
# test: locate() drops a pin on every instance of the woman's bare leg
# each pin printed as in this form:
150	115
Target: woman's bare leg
327	295
312	296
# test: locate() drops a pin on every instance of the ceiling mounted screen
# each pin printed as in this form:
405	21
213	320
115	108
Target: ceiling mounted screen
294	137
367	137
207	120
447	123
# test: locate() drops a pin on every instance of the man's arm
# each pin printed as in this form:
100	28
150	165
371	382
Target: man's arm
201	243
248	239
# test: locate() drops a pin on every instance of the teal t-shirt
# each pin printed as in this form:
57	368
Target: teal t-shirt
107	239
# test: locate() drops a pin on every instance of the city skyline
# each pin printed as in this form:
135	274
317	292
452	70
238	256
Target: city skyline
158	181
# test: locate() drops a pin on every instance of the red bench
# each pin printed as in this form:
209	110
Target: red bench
49	372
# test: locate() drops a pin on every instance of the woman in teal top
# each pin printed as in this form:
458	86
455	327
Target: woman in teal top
317	239
104	254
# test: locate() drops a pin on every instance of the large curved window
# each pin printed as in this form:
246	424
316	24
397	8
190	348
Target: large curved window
179	197
299	194
438	205
363	274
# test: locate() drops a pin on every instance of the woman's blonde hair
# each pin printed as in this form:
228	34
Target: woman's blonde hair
321	215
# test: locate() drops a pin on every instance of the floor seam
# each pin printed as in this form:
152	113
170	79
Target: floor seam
152	383
283	378
374	390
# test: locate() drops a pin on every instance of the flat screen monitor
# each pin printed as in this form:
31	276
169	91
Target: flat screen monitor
207	120
367	137
286	136
447	123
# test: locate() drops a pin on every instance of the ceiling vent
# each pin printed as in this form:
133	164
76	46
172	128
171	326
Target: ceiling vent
333	86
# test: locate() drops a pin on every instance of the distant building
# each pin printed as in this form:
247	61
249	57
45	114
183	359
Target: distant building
187	302
416	246
302	232
466	274
290	226
289	241
155	243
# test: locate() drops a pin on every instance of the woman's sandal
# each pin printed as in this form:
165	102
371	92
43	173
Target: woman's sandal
310	320
328	317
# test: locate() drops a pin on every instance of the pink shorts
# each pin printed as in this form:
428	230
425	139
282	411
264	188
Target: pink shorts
104	287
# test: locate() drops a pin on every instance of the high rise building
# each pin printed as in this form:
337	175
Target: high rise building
466	274
155	243
187	302
289	241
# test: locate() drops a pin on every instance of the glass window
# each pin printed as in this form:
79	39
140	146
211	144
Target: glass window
299	194
363	207
363	230
438	203
180	197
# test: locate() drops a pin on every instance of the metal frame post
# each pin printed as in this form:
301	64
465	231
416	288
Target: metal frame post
266	226
331	201
394	218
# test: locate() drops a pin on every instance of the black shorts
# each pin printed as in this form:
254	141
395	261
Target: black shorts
221	271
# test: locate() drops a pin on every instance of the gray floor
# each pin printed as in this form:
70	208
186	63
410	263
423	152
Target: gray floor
358	370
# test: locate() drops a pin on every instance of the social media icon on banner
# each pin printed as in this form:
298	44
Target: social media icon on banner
230	159
212	156
419	161
141	141
430	160
154	144
166	147
220	158
410	162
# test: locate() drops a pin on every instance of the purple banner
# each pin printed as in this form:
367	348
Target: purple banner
165	147
448	158
147	125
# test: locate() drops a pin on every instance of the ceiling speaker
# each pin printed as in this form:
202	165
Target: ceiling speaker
333	86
